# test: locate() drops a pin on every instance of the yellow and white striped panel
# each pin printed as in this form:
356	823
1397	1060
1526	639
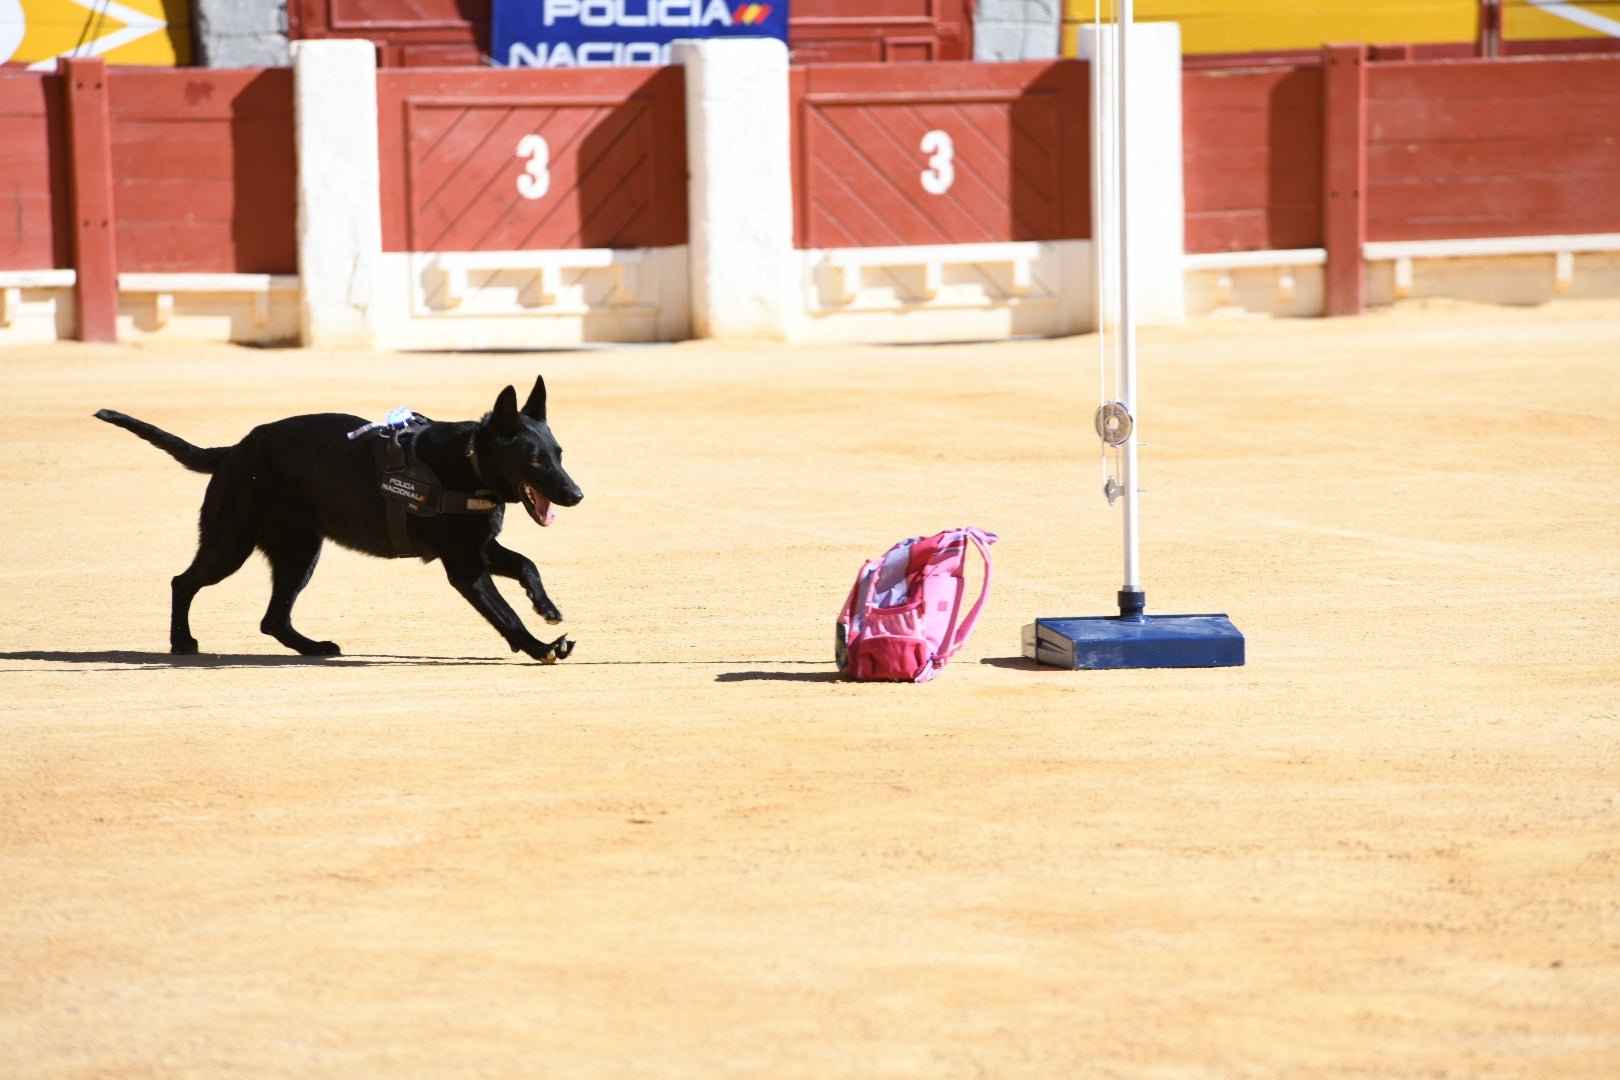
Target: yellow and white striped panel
1545	20
120	31
1223	26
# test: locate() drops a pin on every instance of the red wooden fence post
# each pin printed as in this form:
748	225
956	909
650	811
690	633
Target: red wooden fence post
1344	174
95	254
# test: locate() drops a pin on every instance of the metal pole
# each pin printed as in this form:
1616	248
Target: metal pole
1130	596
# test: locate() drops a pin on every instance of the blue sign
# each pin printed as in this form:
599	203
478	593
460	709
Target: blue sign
609	33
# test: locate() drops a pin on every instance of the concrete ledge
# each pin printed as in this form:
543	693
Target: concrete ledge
1243	260
849	264
544	270
13	282
1224	281
1493	270
1404	254
38	279
1381	250
532	299
47	315
163	288
947	292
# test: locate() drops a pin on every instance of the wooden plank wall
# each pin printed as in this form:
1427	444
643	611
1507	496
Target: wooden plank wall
1252	159
1454	149
1016	165
36	229
204	170
1508	147
459	148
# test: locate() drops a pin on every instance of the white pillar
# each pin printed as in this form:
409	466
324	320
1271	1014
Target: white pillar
740	192
339	204
1157	203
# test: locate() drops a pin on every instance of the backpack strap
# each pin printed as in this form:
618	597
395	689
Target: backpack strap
959	634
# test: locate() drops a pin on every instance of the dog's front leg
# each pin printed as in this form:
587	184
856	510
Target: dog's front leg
510	564
479	589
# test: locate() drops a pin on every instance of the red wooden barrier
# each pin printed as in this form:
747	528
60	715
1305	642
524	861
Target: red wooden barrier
940	153
1344	175
478	160
95	252
1471	148
1252	159
204	168
33	158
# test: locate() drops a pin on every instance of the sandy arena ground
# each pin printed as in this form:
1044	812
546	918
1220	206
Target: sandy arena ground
1389	846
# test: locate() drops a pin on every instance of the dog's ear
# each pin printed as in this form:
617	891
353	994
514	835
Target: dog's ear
505	416
535	407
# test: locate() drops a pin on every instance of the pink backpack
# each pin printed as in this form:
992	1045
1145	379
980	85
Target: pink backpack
901	620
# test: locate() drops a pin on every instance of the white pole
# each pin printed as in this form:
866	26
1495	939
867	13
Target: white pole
1127	314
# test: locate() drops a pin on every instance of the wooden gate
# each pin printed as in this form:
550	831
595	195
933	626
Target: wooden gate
532	159
940	153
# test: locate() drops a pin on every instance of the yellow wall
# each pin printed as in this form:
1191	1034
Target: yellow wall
1219	26
119	31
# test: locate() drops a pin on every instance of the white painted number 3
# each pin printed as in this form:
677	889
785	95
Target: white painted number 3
536	178
940	174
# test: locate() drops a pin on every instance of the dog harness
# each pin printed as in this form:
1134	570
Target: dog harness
409	486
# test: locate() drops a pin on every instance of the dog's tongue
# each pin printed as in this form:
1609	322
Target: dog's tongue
539	507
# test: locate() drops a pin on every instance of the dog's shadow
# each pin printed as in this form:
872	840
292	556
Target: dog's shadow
114	659
127	658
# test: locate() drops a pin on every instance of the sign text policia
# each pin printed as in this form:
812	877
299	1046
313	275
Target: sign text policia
605	33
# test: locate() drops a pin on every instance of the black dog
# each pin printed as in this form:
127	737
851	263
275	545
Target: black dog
418	488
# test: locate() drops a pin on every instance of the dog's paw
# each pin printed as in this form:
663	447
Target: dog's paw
557	650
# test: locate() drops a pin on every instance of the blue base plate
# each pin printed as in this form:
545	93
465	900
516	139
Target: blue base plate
1154	641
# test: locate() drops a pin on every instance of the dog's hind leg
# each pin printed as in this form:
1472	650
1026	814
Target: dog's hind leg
508	563
224	541
292	552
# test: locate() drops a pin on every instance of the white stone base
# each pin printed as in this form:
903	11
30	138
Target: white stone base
1518	270
259	309
531	299
953	292
1507	270
37	306
1255	283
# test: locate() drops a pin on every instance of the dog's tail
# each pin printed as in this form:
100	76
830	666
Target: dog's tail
195	458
